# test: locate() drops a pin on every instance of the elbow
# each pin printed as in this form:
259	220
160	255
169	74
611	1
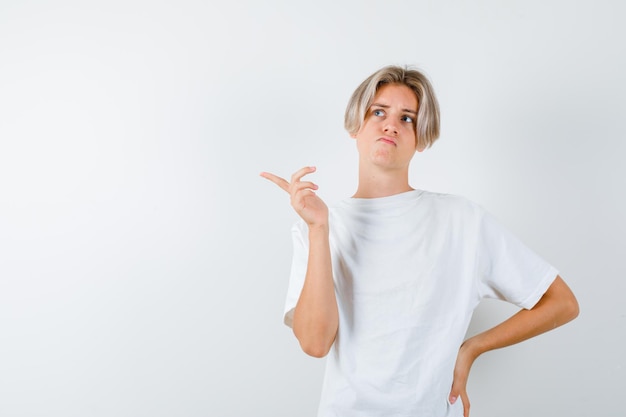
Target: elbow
572	309
315	340
316	350
564	301
568	310
317	345
569	306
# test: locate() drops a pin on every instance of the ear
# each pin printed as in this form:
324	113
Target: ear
420	147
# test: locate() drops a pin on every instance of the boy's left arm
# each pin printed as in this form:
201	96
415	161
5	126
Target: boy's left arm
556	307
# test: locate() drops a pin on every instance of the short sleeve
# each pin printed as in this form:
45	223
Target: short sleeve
506	268
299	235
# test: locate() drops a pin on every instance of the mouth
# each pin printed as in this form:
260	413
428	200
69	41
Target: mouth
387	140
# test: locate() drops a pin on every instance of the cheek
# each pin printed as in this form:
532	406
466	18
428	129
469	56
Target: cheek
410	132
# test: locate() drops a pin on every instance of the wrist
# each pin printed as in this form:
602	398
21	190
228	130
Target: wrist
472	348
318	228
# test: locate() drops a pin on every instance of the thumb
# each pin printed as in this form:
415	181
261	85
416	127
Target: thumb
454	395
455	391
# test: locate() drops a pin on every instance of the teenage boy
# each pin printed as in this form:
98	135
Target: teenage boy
386	282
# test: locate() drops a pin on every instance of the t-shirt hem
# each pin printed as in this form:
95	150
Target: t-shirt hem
541	289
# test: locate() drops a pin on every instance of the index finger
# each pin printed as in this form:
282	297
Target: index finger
281	182
301	173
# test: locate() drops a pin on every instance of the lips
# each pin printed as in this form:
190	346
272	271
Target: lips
387	140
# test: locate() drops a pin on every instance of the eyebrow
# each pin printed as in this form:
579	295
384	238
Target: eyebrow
385	106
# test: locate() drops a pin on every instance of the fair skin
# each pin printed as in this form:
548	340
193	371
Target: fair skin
386	143
316	318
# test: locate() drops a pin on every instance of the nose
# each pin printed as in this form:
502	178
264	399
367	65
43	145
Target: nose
390	128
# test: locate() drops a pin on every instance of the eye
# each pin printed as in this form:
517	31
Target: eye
407	119
378	112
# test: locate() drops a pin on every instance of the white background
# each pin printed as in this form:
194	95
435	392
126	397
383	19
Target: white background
143	262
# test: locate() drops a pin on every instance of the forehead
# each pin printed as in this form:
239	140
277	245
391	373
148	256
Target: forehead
396	95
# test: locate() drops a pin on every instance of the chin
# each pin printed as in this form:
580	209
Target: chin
388	161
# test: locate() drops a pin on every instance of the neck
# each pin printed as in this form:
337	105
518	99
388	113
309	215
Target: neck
382	183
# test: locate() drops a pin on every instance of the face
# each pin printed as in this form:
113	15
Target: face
387	136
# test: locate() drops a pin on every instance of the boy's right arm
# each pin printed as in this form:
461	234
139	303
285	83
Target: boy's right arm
316	317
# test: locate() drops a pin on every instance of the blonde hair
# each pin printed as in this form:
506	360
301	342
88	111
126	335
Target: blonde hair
427	127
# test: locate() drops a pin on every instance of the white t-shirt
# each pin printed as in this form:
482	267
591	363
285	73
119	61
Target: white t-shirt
409	270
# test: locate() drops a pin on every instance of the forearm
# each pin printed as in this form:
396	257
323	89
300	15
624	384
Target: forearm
316	317
557	307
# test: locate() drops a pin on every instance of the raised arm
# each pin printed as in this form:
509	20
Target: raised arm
556	307
316	318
